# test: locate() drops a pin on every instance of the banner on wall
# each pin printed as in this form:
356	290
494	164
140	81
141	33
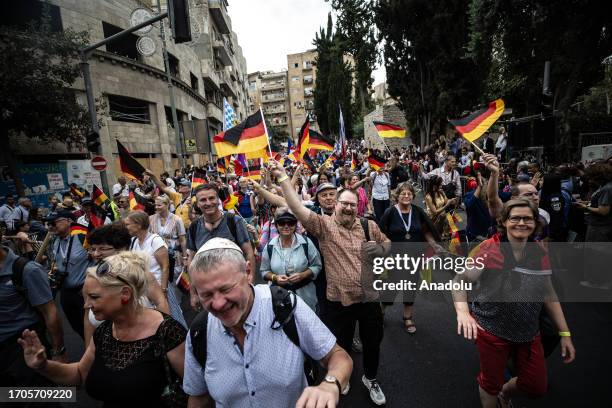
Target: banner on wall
82	174
42	180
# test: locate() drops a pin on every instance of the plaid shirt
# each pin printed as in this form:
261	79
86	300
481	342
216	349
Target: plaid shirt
341	250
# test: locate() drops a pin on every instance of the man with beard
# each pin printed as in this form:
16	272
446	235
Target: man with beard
341	237
214	223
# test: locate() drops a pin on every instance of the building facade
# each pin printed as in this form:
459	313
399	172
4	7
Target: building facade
384	113
134	87
302	75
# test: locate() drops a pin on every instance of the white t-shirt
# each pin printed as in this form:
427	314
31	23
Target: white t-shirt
380	188
124	190
150	245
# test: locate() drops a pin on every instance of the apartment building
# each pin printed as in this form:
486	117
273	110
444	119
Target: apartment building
301	74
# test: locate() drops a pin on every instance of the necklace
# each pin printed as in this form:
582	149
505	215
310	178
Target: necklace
406	226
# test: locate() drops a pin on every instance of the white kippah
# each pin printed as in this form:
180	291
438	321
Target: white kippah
218	243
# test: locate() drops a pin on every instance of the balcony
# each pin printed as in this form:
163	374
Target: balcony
209	74
279	123
274	111
308	92
221	52
273	98
226	85
307	80
272	86
307	66
219	15
213	111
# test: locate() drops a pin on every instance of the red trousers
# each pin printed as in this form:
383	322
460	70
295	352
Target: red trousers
529	364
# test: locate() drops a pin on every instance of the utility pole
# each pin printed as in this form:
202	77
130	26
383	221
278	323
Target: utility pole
177	130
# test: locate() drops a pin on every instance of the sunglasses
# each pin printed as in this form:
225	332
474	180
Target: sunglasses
104	269
286	223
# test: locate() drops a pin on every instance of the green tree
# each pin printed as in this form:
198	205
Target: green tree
511	40
356	33
424	55
333	86
37	67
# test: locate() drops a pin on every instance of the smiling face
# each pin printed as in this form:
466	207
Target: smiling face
327	200
346	208
161	207
60	227
286	228
404	197
225	292
520	224
528	191
208	202
104	301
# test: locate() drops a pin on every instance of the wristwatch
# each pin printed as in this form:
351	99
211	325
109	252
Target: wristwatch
333	380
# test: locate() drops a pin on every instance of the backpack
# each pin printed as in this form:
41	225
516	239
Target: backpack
449	189
299	285
283	305
17	274
557	227
366	228
231	225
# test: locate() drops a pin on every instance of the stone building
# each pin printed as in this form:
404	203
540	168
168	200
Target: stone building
302	75
384	113
134	87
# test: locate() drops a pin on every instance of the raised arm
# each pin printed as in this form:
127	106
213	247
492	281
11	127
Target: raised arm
494	202
162	187
293	200
268	196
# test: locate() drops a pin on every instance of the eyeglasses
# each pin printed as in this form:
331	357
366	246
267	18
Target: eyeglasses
408	194
104	269
93	249
286	223
517	220
347	204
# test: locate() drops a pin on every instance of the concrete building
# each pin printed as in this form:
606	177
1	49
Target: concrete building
254	81
275	102
134	87
384	113
302	74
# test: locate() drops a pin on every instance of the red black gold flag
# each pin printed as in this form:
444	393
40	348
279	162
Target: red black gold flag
376	162
78	229
389	130
320	142
247	136
98	196
303	139
477	123
198	178
76	191
129	165
137	202
353	162
252	172
221	169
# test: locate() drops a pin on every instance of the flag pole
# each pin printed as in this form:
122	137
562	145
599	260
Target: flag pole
476	147
383	140
263	118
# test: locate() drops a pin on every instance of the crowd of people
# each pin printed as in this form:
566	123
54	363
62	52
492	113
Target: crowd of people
302	231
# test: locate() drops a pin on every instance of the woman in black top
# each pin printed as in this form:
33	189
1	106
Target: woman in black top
406	222
136	352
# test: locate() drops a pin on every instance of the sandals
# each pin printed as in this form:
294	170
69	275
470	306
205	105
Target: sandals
409	326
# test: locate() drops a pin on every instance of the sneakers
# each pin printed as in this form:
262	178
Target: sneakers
376	394
357	347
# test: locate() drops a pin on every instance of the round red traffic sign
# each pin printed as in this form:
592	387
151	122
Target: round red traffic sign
98	163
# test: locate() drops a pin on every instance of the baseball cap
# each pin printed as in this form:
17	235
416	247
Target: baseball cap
56	215
325	186
184	182
285	216
218	243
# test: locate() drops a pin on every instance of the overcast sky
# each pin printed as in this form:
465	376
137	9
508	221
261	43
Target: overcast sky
268	30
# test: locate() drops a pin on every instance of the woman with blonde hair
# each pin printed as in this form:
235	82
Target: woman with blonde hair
172	230
136	352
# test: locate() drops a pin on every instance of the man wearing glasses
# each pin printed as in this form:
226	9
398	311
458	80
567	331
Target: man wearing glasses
341	237
71	263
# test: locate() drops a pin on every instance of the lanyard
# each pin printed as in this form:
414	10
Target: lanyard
65	254
406	226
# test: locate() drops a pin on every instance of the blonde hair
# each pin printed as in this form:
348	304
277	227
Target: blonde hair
139	218
164	199
129	266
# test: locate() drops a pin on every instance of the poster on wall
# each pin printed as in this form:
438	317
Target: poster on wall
82	174
42	180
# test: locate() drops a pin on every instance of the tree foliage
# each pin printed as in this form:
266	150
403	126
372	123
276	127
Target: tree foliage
424	55
333	85
38	67
511	39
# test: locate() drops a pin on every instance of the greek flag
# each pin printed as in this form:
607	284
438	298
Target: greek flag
229	116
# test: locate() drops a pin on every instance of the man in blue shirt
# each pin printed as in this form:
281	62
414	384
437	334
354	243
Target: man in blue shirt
21	306
71	263
249	364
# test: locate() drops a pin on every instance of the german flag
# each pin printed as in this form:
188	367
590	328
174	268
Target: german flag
137	202
320	142
183	282
98	196
221	168
389	130
230	202
258	154
477	123
198	178
252	172
353	162
303	140
248	136
76	191
376	162
77	229
129	165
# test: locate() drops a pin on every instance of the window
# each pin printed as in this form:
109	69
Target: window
173	62
180	115
296	65
295	79
194	82
21	13
124	109
124	46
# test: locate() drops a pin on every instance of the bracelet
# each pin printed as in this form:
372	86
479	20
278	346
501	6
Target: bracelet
565	334
283	178
274	278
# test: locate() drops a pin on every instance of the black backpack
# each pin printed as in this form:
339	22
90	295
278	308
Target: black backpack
283	305
17	275
231	225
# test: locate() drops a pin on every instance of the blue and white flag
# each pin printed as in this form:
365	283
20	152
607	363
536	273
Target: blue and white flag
229	116
342	138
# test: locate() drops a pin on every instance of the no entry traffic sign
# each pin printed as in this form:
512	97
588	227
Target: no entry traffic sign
98	163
